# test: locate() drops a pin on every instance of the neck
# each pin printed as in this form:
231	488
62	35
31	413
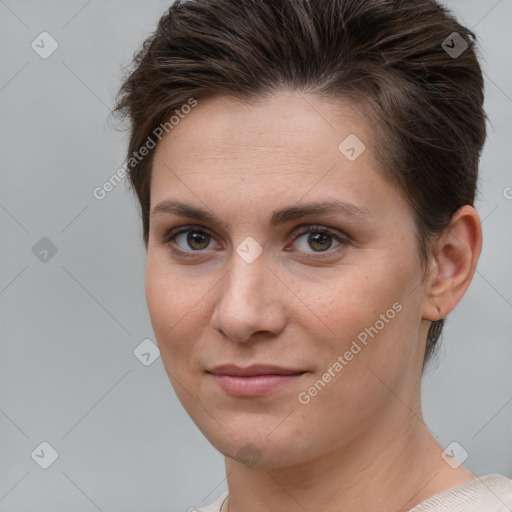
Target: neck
391	466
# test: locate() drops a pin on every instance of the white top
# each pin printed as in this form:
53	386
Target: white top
489	493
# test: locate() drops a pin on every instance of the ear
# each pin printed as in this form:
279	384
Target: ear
452	264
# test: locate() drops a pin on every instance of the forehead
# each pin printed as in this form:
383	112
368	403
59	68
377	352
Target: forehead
286	119
276	149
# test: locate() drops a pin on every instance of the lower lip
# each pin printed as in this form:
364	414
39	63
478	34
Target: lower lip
256	385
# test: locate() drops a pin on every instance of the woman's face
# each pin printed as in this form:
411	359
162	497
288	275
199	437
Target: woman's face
249	286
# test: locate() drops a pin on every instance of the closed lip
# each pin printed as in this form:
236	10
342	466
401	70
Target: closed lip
250	371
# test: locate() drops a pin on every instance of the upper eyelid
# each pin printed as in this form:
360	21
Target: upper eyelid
300	227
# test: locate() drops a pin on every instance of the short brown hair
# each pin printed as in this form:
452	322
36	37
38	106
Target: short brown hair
391	57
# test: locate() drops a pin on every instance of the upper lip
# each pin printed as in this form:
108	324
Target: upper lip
256	369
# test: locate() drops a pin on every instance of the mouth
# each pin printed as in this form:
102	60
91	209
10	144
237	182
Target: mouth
256	380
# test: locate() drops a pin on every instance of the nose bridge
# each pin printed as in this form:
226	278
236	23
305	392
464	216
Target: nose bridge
245	282
248	266
247	300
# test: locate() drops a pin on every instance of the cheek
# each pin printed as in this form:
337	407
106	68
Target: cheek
368	314
356	298
171	302
367	323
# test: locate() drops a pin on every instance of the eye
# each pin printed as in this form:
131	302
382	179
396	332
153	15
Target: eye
320	239
194	239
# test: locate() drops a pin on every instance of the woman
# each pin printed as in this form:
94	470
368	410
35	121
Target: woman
306	172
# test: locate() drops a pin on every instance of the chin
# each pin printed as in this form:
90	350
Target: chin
253	445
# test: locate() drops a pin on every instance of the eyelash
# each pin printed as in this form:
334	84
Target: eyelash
169	239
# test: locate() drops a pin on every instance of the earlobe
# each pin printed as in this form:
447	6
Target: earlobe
453	262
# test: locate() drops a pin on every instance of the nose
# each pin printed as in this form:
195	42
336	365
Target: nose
249	301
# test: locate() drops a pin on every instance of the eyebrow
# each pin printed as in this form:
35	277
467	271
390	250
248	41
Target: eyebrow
173	207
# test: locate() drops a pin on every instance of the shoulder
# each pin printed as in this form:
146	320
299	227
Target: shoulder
492	493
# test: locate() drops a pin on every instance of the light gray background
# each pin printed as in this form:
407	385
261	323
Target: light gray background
69	326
